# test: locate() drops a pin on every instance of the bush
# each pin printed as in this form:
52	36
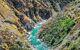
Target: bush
54	34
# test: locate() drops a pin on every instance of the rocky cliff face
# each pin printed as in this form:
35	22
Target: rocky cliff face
17	17
30	11
12	35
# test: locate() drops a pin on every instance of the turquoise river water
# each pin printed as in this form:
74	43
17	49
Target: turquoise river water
35	41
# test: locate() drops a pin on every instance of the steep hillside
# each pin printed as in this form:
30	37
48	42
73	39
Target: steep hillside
18	17
12	35
62	33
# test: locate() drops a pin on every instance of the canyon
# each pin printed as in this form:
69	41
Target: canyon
39	25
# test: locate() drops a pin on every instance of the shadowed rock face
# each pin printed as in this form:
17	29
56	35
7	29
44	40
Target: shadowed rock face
32	8
37	8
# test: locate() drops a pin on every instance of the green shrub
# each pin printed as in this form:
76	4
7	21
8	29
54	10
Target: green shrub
54	34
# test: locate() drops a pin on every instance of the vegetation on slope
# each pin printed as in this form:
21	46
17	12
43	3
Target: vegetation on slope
57	31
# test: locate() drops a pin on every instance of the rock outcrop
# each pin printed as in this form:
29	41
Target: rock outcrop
11	33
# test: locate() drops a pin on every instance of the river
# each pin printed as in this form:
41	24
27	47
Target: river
36	43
